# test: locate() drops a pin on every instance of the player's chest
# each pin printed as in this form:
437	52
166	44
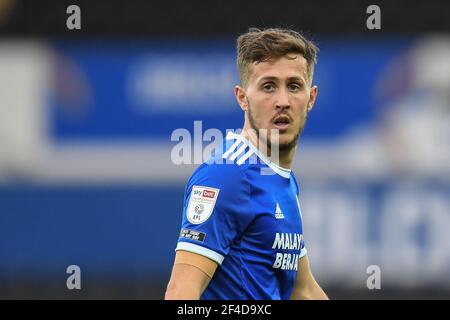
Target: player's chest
277	220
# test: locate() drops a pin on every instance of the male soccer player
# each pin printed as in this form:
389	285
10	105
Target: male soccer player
242	235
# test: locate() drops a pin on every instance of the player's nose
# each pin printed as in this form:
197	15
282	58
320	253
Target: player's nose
282	101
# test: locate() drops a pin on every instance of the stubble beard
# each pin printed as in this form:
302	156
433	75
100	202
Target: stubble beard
284	147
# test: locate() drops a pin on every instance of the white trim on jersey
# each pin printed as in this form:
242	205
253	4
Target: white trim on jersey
195	248
303	252
299	209
245	157
232	148
284	172
238	152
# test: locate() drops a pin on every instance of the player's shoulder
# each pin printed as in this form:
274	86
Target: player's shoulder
229	162
227	169
221	174
225	183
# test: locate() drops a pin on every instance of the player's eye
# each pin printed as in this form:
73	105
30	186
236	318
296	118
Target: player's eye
268	87
294	87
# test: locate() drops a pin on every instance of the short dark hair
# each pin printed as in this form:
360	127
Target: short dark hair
258	45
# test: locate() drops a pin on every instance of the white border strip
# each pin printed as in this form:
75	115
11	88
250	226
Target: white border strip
187	246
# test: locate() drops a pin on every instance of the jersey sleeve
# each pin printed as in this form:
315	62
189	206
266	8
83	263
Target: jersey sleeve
215	212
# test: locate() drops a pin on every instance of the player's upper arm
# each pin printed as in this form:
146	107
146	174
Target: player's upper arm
191	274
216	211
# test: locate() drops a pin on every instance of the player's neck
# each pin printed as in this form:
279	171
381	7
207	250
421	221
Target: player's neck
286	157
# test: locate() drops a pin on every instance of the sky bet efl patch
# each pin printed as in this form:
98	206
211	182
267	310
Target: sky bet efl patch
201	204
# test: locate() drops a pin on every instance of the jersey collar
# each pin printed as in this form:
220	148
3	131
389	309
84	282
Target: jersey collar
284	172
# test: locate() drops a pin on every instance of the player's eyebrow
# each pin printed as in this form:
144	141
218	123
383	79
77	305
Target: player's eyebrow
298	79
272	78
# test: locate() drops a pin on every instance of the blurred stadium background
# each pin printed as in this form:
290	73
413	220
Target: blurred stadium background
86	119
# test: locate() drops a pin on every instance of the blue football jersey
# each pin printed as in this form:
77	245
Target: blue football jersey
242	211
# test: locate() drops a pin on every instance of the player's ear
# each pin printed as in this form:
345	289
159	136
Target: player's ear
241	97
312	97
